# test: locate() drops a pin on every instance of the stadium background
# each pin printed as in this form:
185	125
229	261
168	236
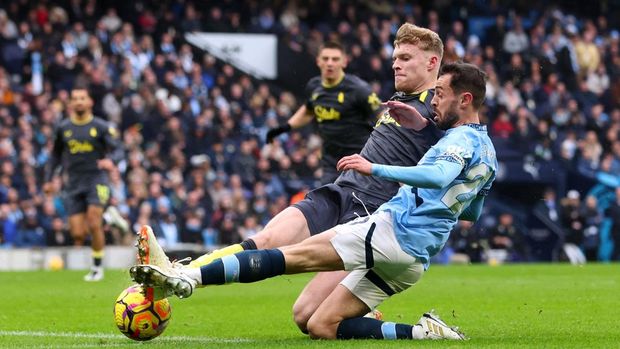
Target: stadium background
197	168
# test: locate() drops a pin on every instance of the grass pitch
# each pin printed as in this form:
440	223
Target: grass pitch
516	306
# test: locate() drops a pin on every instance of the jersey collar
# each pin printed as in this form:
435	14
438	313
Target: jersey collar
402	96
77	122
477	127
326	85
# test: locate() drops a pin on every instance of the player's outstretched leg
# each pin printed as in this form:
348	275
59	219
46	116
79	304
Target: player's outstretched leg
244	267
429	327
219	253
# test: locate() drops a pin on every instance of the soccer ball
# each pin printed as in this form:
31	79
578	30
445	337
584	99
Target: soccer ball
139	318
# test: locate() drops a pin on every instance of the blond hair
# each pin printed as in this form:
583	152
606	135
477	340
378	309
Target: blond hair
425	39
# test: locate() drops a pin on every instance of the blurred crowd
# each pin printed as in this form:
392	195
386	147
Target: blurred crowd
197	168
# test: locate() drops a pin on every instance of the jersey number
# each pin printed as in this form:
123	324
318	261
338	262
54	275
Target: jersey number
476	176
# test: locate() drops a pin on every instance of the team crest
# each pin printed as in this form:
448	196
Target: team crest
68	133
93	132
341	97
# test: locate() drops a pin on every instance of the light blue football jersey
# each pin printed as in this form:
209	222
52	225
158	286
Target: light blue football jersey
423	218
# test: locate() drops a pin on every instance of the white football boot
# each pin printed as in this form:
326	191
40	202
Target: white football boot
149	250
156	272
172	281
435	328
95	274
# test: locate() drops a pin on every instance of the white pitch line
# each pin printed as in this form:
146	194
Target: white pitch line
85	345
112	336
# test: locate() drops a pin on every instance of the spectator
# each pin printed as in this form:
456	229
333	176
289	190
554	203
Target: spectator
546	228
613	212
593	218
506	236
59	234
573	224
465	242
516	40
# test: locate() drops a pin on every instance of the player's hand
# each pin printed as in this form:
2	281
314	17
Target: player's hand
355	162
276	131
106	164
406	115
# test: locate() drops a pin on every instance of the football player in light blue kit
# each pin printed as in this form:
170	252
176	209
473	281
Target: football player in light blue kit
388	251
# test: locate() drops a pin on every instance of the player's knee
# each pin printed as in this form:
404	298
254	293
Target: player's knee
94	225
264	239
301	315
321	329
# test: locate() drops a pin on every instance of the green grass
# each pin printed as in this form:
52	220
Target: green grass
519	306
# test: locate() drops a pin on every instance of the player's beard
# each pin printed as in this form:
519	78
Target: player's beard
80	112
449	118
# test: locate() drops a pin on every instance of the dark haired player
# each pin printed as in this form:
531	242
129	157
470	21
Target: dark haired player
87	147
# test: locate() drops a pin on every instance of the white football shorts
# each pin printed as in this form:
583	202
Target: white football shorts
379	267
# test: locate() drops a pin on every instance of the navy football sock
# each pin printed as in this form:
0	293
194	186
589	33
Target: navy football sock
246	266
367	328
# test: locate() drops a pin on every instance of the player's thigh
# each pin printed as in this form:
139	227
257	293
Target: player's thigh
286	228
315	292
77	224
339	305
94	215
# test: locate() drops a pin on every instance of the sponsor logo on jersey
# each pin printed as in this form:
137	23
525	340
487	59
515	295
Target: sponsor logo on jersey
385	119
76	146
324	114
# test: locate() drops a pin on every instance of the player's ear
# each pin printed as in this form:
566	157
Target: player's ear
433	62
466	99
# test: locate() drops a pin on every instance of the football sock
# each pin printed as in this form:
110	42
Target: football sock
244	267
367	328
210	257
97	258
248	244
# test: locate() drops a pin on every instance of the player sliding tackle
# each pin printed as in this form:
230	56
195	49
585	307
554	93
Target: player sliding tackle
388	251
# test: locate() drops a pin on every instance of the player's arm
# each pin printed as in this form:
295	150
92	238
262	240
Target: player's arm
301	118
54	161
473	211
369	102
436	175
432	176
116	151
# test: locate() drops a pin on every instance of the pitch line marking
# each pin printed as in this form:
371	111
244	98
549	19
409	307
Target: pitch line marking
119	336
